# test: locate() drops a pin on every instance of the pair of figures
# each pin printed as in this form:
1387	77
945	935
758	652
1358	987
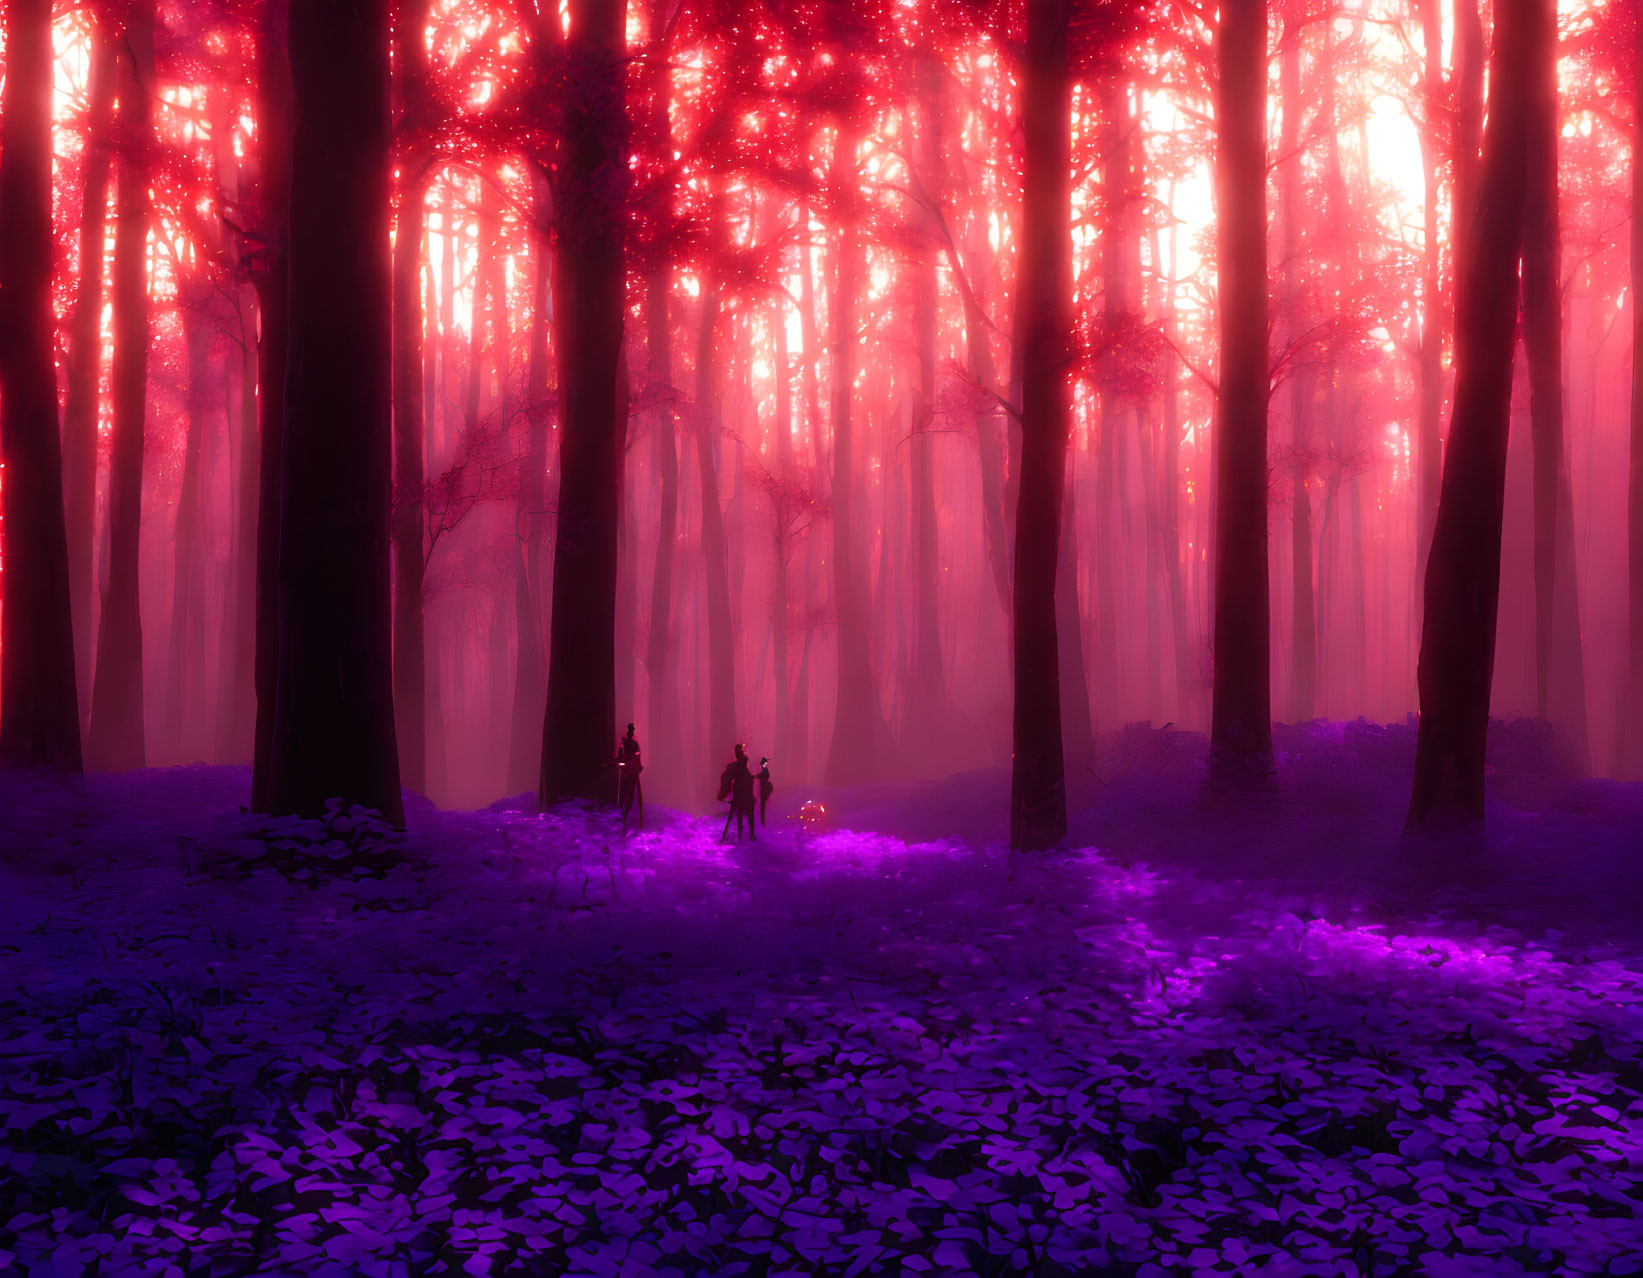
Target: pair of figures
736	784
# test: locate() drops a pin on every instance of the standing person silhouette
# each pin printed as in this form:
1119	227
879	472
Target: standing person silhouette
736	783
766	789
628	789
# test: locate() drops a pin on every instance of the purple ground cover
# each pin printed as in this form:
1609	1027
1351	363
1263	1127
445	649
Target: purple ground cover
504	1043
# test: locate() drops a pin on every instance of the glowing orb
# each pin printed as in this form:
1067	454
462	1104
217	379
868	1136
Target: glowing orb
812	813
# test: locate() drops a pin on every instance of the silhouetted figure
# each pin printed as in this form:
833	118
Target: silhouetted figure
736	784
628	789
766	789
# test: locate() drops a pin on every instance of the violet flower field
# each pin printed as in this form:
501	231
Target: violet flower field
510	1043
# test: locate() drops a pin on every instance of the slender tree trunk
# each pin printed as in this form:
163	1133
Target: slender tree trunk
721	659
273	307
185	660
1457	654
410	660
530	676
1043	336
236	704
1304	624
334	703
85	358
989	421
1560	682
1241	715
115	737
857	722
579	728
39	708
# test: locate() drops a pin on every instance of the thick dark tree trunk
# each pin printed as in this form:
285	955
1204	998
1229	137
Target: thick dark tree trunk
114	740
1633	723
85	358
1457	654
272	281
1241	714
1560	678
334	704
1038	795
410	659
39	710
1304	623
409	410
857	721
579	729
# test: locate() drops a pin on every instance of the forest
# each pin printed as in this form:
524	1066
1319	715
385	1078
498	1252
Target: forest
1158	485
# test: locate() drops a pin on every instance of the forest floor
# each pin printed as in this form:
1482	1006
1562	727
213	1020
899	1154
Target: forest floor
1289	1042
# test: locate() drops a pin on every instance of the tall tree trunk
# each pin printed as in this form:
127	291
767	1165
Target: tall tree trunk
530	672
989	421
115	737
39	708
1043	337
1077	731
410	659
1633	723
927	696
1304	623
1469	55
721	661
85	358
273	307
1457	654
1241	714
1560	681
236	705
1428	445
334	703
579	729
185	660
857	721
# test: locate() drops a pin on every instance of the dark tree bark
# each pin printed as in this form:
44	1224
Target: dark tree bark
1632	743
1043	336
114	740
334	705
1560	679
272	281
410	429
857	721
1469	55
85	357
1457	654
580	725
1241	712
410	658
39	709
1304	623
